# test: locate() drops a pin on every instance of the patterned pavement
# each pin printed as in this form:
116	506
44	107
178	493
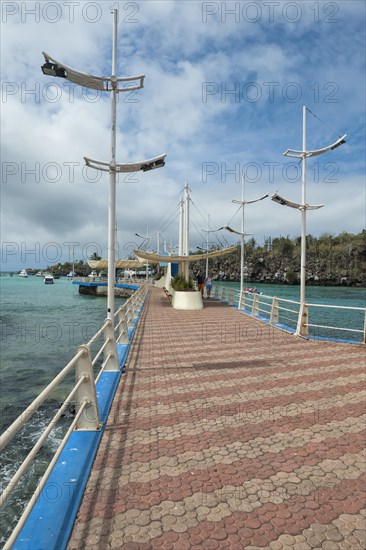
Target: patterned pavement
226	433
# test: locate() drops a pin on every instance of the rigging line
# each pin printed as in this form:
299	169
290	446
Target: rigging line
170	212
210	225
204	219
325	124
168	221
196	228
228	223
203	208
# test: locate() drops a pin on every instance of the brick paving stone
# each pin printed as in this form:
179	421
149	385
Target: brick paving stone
220	441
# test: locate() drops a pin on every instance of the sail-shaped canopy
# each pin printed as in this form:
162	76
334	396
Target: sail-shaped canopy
155	257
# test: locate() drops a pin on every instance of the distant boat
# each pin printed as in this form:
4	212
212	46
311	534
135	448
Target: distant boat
71	275
48	279
23	273
39	274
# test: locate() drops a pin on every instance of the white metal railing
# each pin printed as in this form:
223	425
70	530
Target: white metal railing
288	315
133	279
83	394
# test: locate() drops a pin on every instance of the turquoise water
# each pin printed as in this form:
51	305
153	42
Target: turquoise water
41	328
327	317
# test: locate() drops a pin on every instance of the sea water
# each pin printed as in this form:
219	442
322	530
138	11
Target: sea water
347	297
41	329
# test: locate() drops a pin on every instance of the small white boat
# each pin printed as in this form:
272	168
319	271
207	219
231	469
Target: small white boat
48	279
23	273
39	274
71	275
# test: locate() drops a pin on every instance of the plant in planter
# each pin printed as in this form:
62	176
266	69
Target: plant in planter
180	283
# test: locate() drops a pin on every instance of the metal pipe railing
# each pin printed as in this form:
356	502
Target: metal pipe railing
9	543
271	307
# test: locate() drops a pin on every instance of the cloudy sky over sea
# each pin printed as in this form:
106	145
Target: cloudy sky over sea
224	90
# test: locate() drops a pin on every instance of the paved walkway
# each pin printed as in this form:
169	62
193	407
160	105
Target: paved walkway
226	433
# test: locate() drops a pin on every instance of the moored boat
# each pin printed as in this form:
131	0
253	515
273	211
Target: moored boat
23	273
48	279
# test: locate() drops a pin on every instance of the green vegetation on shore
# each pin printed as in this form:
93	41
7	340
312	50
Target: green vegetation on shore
330	260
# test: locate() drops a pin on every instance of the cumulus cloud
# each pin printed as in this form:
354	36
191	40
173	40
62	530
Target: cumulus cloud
223	98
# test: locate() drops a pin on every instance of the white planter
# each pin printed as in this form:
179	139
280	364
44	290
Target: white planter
187	300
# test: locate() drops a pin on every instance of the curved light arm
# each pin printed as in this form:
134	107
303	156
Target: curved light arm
143	165
251	202
286	202
298	154
52	67
231	230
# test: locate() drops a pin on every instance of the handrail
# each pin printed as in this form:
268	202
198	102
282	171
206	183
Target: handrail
83	393
9	543
272	310
10	432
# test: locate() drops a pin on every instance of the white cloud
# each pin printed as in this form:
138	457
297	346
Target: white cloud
219	89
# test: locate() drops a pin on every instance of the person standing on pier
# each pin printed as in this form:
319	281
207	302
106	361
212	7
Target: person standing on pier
200	282
208	283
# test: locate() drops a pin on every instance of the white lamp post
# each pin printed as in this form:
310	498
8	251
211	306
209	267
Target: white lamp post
113	84
207	231
303	207
242	203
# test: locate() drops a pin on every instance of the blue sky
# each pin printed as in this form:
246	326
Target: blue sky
224	89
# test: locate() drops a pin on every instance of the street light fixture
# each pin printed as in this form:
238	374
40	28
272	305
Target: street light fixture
301	328
113	84
242	234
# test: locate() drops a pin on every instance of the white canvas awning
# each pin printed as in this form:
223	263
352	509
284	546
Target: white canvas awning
120	264
154	257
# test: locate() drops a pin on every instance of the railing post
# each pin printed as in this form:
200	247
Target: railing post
302	322
129	315
90	418
274	312
241	292
110	350
216	292
364	330
255	305
123	328
223	294
231	294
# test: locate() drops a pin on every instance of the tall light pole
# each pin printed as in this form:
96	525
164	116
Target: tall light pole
207	231
242	234
303	207
115	85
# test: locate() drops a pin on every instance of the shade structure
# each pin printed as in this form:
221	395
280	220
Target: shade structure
157	258
119	264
